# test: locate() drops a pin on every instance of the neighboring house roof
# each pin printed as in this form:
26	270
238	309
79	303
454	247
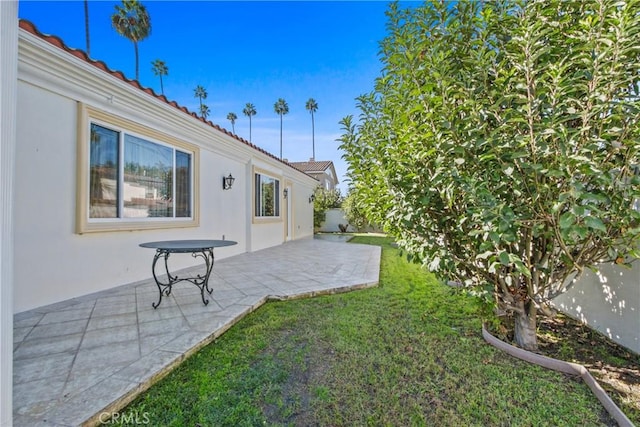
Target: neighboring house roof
317	168
80	54
312	166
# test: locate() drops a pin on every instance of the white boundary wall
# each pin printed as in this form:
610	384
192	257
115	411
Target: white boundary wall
608	301
334	217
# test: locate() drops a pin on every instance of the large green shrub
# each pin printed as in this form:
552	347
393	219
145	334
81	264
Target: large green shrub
500	145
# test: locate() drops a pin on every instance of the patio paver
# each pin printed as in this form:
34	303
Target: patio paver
77	359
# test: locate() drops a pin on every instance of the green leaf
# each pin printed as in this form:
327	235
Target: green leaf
567	219
578	210
484	255
581	232
522	269
595	223
504	258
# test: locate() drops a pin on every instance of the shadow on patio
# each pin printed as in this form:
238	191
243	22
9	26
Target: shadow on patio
79	358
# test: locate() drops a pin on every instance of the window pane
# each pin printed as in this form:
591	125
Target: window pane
183	184
258	205
148	179
267	191
103	173
276	198
267	188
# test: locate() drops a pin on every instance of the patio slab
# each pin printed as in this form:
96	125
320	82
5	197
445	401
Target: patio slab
80	359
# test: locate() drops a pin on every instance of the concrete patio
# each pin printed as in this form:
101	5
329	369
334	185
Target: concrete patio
79	360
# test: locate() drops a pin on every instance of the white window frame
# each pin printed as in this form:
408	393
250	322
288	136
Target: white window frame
257	196
85	224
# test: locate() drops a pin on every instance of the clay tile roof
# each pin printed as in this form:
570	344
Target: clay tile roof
80	54
312	166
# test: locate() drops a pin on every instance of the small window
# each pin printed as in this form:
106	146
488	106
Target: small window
267	191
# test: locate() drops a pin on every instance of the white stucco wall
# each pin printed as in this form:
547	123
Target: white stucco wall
53	262
302	211
267	233
608	301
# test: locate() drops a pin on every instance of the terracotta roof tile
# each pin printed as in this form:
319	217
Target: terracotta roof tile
82	55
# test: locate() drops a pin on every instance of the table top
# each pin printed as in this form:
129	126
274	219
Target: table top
187	245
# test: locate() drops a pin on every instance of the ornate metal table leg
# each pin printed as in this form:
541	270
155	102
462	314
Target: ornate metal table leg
209	260
201	281
163	288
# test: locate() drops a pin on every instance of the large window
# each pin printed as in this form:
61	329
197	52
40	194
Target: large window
267	192
134	180
143	183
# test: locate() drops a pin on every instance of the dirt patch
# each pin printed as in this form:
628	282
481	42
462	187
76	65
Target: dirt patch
307	362
613	366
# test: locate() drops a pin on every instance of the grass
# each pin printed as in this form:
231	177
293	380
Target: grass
408	352
615	368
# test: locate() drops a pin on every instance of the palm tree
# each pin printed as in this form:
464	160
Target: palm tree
281	107
232	118
86	26
200	93
204	111
132	21
249	111
312	107
160	69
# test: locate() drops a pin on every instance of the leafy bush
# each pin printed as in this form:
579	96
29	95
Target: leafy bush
354	213
501	144
324	199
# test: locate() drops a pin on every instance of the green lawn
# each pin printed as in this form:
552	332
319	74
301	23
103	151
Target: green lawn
406	353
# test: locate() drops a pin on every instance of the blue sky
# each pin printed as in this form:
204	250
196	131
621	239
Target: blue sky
244	52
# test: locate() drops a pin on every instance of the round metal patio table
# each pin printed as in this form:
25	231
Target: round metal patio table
197	248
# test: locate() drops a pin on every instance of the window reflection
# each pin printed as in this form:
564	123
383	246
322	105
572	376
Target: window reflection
183	184
103	174
143	185
148	179
267	192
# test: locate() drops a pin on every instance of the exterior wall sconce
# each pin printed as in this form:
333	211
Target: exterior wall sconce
227	182
285	192
312	198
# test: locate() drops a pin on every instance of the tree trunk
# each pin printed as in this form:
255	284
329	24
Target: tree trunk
525	326
313	137
280	136
86	27
135	45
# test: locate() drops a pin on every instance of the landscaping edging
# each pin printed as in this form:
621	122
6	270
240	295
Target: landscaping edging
562	366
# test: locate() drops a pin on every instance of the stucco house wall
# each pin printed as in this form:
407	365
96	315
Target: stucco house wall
55	261
608	301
